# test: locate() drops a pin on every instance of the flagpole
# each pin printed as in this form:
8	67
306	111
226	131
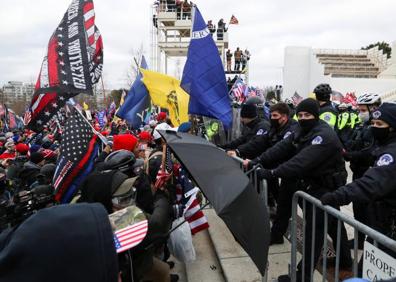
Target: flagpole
103	88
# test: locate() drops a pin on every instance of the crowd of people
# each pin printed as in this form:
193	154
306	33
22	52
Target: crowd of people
297	147
125	173
306	147
241	59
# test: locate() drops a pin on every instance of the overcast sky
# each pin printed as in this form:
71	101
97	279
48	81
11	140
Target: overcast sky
266	28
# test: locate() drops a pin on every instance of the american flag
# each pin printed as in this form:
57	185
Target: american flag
234	20
296	99
186	194
164	174
27	117
131	236
78	151
238	90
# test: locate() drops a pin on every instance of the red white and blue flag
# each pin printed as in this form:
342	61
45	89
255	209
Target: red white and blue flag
78	152
186	194
239	90
72	65
130	236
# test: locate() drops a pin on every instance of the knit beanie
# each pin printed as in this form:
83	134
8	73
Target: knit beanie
386	112
309	105
124	141
248	111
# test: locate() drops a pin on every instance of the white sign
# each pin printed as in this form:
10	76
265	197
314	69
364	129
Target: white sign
88	114
377	265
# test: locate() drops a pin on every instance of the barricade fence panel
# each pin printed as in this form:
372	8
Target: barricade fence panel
310	226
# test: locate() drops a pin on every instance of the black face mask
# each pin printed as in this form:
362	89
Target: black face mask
275	123
380	134
307	124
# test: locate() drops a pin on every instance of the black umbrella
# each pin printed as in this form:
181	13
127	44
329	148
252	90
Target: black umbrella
228	189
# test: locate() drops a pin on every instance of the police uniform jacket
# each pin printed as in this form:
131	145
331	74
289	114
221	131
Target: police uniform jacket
378	183
377	186
314	157
328	113
260	144
251	131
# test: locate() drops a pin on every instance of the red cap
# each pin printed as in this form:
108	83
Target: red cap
144	135
22	148
105	133
124	141
161	116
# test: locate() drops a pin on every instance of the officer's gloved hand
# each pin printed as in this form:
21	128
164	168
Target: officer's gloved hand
329	199
264	174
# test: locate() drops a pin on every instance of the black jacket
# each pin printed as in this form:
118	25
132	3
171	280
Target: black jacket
378	181
251	131
315	157
359	149
63	243
261	143
376	186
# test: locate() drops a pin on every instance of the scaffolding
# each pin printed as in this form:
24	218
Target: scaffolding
171	32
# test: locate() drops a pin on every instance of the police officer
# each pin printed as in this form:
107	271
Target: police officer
327	112
253	128
358	152
345	122
314	155
281	126
377	185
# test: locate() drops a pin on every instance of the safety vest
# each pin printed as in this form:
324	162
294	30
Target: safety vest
343	120
330	118
354	120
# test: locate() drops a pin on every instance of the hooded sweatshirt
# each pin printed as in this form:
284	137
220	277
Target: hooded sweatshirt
62	243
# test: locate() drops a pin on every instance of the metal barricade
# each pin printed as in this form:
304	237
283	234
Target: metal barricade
259	185
302	198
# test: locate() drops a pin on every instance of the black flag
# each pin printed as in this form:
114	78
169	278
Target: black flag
72	65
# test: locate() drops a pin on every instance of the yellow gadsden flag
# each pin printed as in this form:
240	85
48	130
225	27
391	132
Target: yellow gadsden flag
165	92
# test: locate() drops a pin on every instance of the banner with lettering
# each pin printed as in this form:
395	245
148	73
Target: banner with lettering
72	65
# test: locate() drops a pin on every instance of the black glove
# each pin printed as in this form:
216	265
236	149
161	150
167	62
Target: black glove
329	199
264	174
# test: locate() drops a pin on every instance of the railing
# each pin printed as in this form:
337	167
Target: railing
182	12
341	218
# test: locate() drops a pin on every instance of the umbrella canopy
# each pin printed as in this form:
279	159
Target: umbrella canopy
228	189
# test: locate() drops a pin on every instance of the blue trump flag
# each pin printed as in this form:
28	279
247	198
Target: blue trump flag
137	101
203	76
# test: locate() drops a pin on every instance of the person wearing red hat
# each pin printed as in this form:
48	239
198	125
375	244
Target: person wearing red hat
22	149
161	117
144	149
124	141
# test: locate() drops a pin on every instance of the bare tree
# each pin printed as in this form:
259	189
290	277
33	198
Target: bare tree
133	68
